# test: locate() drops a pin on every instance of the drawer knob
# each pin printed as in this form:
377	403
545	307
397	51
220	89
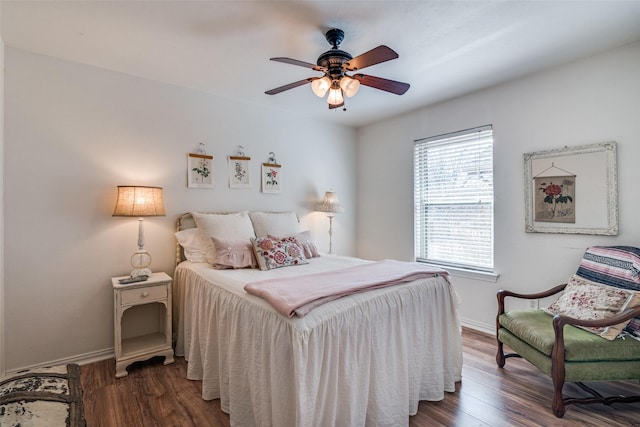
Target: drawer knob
145	294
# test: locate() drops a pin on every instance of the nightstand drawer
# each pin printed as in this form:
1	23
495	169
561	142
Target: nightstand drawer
140	295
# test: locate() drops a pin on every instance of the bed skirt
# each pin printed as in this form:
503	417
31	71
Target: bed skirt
366	359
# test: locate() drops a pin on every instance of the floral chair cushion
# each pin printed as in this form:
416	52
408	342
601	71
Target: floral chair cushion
587	300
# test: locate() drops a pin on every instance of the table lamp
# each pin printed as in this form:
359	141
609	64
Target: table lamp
139	201
330	205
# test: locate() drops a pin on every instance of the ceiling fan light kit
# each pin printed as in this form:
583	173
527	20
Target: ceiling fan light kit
335	64
349	86
335	97
321	86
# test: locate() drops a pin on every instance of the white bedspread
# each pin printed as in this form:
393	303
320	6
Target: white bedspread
365	359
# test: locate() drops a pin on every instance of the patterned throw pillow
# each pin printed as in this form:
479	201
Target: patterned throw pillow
303	239
275	253
587	300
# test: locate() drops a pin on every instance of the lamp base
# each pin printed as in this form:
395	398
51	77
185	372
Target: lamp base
331	215
140	261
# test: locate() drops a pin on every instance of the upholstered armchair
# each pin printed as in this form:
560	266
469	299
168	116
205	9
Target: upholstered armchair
591	333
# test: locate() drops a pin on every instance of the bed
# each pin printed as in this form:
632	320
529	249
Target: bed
363	359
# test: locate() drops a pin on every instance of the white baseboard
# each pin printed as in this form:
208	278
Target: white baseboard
80	359
478	326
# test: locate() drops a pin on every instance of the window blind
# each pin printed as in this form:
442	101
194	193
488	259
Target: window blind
453	199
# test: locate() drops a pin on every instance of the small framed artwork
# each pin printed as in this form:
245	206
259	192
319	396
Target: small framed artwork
200	171
239	172
555	199
271	177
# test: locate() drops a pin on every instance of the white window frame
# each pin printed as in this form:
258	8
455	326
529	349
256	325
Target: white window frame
477	258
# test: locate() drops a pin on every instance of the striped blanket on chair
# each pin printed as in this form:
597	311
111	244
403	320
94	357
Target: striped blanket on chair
617	266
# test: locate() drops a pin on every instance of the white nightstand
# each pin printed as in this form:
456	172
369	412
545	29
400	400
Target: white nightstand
142	321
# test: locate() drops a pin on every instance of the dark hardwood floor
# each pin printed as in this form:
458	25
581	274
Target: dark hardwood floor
518	395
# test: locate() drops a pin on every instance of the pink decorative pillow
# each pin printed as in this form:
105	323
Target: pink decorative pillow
233	254
303	239
310	249
231	226
275	253
587	300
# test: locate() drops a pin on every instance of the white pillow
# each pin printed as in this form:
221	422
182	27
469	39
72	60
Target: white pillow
232	226
195	248
275	223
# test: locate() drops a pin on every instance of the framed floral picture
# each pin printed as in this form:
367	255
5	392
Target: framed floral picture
239	172
200	171
572	190
555	199
271	178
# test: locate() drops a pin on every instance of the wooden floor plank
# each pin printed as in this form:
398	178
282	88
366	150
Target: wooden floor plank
517	396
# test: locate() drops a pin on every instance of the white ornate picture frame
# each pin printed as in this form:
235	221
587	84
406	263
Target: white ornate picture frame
595	171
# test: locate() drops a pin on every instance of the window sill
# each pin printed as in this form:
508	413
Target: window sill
485	276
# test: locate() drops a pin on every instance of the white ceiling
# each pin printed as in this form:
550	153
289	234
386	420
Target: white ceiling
446	48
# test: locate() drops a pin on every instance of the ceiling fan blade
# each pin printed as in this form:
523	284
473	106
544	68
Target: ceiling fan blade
374	56
300	63
392	86
289	86
331	106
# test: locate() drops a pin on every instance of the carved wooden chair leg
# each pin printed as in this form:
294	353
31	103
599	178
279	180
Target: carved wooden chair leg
557	366
500	355
557	404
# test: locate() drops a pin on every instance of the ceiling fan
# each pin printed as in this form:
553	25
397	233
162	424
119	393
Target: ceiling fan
335	64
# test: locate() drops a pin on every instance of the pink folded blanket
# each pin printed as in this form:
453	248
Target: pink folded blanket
299	295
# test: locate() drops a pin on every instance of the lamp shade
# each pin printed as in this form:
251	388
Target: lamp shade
329	203
335	97
139	201
349	86
321	86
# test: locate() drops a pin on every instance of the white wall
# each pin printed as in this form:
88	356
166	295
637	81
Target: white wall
2	322
590	101
73	133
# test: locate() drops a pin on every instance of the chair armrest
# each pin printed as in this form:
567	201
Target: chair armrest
502	294
557	354
559	321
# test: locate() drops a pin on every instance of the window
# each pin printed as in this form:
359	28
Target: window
453	199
